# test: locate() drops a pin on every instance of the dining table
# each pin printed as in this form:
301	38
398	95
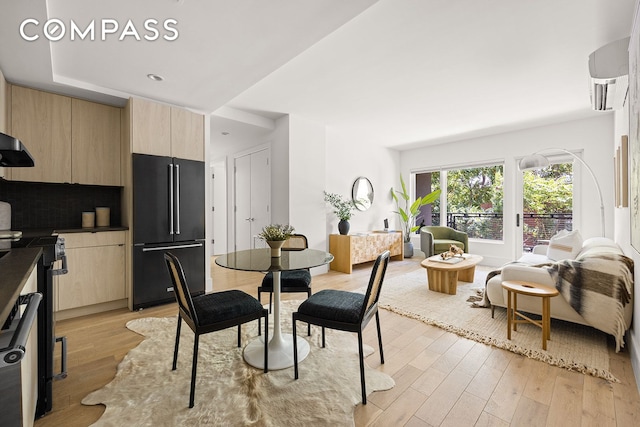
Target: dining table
280	345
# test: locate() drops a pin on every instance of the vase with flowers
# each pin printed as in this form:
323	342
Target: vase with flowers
342	208
275	235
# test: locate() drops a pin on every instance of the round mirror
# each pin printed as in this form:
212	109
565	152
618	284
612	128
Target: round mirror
362	193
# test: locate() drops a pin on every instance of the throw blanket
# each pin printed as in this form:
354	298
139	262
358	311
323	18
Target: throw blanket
597	287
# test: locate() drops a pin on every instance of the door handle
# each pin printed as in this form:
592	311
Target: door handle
517	220
171	198
177	199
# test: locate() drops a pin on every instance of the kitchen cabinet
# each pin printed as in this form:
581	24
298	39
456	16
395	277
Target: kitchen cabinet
70	139
96	263
162	130
95	143
42	121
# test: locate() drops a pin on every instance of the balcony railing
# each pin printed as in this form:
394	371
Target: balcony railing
537	228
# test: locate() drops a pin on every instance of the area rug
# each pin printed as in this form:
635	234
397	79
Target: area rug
145	392
572	346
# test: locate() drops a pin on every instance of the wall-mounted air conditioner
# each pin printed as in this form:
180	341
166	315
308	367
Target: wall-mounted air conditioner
609	71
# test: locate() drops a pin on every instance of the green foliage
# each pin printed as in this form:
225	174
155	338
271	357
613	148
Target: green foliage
276	232
475	189
341	207
548	190
411	211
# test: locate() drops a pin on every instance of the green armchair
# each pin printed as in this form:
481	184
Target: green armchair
436	239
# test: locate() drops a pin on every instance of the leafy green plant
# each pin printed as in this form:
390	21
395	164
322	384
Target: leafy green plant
276	232
410	212
341	207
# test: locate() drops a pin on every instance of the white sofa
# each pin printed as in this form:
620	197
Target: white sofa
524	270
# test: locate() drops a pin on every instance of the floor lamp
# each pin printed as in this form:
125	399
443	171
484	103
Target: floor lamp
538	161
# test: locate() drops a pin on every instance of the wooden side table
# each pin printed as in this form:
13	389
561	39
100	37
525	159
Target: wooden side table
531	289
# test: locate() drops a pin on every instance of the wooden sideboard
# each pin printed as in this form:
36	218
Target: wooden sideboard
353	249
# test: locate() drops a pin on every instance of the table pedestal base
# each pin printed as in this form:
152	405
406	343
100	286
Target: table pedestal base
280	352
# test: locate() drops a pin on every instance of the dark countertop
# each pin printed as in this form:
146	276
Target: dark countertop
88	230
15	267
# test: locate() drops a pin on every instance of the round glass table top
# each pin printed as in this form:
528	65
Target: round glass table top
260	260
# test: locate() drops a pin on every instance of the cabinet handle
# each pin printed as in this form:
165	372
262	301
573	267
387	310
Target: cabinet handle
164	248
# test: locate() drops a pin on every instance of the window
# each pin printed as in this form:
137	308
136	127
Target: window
473	203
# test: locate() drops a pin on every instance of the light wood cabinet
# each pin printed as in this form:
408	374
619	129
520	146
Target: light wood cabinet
150	127
42	121
96	263
351	249
95	143
162	130
187	134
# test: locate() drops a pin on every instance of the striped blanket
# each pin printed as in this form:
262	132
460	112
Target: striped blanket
597	287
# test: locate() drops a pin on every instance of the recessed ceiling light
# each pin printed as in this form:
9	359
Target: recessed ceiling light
155	77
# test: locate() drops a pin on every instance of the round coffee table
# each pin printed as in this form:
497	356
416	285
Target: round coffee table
514	288
443	276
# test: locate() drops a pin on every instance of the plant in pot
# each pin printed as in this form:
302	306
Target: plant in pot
275	235
410	212
342	208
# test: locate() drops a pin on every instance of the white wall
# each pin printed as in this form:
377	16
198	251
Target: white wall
594	136
347	159
622	233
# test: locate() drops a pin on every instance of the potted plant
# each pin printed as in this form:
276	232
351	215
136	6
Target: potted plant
342	208
410	213
275	235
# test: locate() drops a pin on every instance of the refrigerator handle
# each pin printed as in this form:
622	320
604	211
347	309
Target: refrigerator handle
177	199
171	198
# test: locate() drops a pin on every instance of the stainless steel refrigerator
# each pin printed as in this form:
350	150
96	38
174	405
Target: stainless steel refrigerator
168	215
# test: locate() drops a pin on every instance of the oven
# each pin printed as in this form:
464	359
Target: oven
53	250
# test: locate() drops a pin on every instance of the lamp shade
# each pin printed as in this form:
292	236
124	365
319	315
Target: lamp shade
533	161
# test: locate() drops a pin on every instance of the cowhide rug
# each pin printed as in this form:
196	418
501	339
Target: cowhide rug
145	392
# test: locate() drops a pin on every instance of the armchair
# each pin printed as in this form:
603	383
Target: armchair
436	239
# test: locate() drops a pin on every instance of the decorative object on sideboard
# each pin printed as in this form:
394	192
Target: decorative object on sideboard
410	213
275	235
343	210
362	193
538	161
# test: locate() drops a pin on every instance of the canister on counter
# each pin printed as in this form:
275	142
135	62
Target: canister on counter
88	219
103	217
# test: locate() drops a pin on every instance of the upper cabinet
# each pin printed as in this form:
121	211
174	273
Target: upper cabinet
166	131
42	121
71	140
187	134
95	143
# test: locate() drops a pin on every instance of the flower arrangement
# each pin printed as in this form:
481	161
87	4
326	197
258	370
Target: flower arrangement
276	232
341	207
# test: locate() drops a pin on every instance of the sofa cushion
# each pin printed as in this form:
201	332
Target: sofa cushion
565	245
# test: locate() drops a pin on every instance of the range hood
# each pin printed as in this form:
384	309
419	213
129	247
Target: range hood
13	154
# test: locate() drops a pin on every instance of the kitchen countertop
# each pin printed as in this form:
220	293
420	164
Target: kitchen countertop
88	230
15	267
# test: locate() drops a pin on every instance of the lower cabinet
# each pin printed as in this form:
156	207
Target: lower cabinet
96	263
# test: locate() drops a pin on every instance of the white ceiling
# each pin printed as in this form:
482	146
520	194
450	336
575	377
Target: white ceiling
401	73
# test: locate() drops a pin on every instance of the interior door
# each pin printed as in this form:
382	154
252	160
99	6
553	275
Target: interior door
252	198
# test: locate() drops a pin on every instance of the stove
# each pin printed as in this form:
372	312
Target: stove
53	250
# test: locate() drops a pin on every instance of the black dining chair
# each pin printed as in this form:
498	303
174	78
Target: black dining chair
212	312
345	311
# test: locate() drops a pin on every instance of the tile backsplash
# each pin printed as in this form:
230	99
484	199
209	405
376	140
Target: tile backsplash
57	206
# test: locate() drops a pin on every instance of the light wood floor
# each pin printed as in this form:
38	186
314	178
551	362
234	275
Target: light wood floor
441	379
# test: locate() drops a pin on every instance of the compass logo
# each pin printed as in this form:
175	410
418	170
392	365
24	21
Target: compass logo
56	29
